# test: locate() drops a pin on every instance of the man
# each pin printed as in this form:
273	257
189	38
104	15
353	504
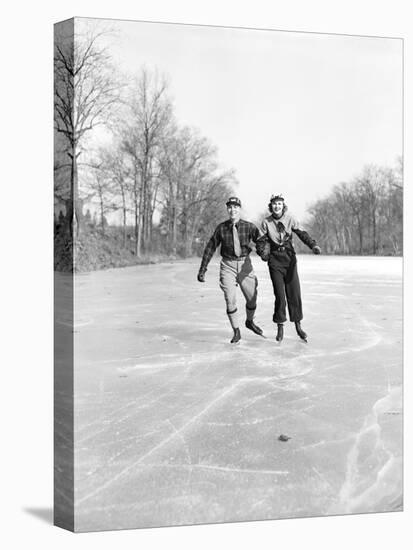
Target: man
276	247
234	236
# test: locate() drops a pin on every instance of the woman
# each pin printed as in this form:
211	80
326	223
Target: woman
276	246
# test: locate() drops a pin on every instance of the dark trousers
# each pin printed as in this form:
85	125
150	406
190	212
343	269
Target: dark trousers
286	284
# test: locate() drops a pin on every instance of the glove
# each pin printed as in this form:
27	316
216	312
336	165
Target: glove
201	276
263	248
316	249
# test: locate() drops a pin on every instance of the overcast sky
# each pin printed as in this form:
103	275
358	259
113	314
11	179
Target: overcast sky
292	113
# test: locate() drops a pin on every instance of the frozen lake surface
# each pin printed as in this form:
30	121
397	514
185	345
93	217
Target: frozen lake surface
174	425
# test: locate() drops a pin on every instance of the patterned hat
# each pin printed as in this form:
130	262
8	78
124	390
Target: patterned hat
233	200
278	197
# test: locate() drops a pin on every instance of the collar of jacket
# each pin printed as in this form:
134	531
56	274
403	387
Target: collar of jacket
239	222
282	218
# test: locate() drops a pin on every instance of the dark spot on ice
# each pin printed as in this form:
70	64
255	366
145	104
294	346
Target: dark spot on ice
284	437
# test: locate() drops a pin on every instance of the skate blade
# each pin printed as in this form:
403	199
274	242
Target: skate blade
256	333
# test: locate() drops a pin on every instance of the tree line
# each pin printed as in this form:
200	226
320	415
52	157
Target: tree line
148	169
363	216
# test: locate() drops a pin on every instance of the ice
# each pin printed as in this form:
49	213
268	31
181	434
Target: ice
174	425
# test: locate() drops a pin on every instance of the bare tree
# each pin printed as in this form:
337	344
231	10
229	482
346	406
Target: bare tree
372	188
117	173
84	94
176	162
192	183
148	116
130	148
100	188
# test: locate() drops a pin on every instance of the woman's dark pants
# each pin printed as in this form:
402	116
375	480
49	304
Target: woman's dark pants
286	284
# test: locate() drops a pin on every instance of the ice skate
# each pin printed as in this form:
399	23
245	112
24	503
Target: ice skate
252	326
237	336
280	332
300	331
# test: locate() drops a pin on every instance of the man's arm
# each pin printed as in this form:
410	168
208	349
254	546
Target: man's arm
262	244
210	248
254	232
